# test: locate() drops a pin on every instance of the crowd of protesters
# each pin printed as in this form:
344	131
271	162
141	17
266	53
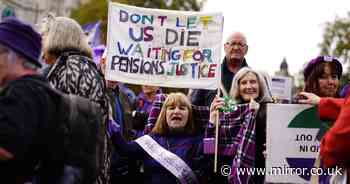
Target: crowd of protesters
152	137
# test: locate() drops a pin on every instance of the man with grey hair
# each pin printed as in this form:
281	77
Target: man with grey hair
235	50
25	107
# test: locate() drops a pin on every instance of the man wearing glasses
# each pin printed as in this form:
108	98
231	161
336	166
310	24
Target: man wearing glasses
235	50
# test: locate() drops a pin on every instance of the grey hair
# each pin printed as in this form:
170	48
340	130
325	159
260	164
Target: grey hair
13	57
264	93
63	34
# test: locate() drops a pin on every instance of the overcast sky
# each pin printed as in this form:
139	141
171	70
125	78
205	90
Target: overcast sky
279	28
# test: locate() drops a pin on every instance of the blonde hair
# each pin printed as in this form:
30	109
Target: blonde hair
178	99
63	34
264	94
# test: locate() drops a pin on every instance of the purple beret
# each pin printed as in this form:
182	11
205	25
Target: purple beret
21	38
318	60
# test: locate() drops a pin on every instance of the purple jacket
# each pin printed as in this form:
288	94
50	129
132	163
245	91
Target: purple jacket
188	147
143	104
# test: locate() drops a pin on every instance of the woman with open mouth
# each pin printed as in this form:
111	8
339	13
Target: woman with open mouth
173	151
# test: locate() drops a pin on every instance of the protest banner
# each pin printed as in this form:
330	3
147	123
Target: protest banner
293	142
163	47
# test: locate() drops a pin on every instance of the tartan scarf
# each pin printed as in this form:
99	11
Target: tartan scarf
236	139
245	151
236	134
231	129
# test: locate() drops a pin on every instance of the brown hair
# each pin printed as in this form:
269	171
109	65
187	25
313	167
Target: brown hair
312	84
161	126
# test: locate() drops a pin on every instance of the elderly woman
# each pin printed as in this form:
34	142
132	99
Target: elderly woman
322	75
248	86
72	71
66	50
172	151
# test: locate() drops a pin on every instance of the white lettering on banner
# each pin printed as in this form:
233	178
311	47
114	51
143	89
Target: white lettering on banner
167	159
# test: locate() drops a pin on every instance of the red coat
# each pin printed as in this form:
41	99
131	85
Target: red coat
335	145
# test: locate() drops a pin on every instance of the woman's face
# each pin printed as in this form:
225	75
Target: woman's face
328	82
177	116
249	87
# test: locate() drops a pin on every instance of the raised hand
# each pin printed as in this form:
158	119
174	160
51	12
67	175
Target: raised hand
309	98
253	104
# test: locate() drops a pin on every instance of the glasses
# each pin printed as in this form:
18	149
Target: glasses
239	44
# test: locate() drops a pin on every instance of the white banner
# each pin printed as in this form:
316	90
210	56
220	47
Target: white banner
163	47
292	145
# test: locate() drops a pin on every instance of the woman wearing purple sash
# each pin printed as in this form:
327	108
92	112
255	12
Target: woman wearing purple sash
173	151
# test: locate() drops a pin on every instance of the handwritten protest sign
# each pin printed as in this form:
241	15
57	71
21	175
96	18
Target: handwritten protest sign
163	47
293	142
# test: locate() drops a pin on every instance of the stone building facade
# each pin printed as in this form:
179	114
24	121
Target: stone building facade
32	11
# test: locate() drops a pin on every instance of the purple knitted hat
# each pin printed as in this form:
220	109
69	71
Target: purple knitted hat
21	38
318	60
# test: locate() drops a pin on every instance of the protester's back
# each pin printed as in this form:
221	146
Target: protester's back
71	141
74	72
60	135
29	111
86	82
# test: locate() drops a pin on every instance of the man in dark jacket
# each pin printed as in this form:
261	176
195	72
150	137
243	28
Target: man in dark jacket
235	50
25	107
